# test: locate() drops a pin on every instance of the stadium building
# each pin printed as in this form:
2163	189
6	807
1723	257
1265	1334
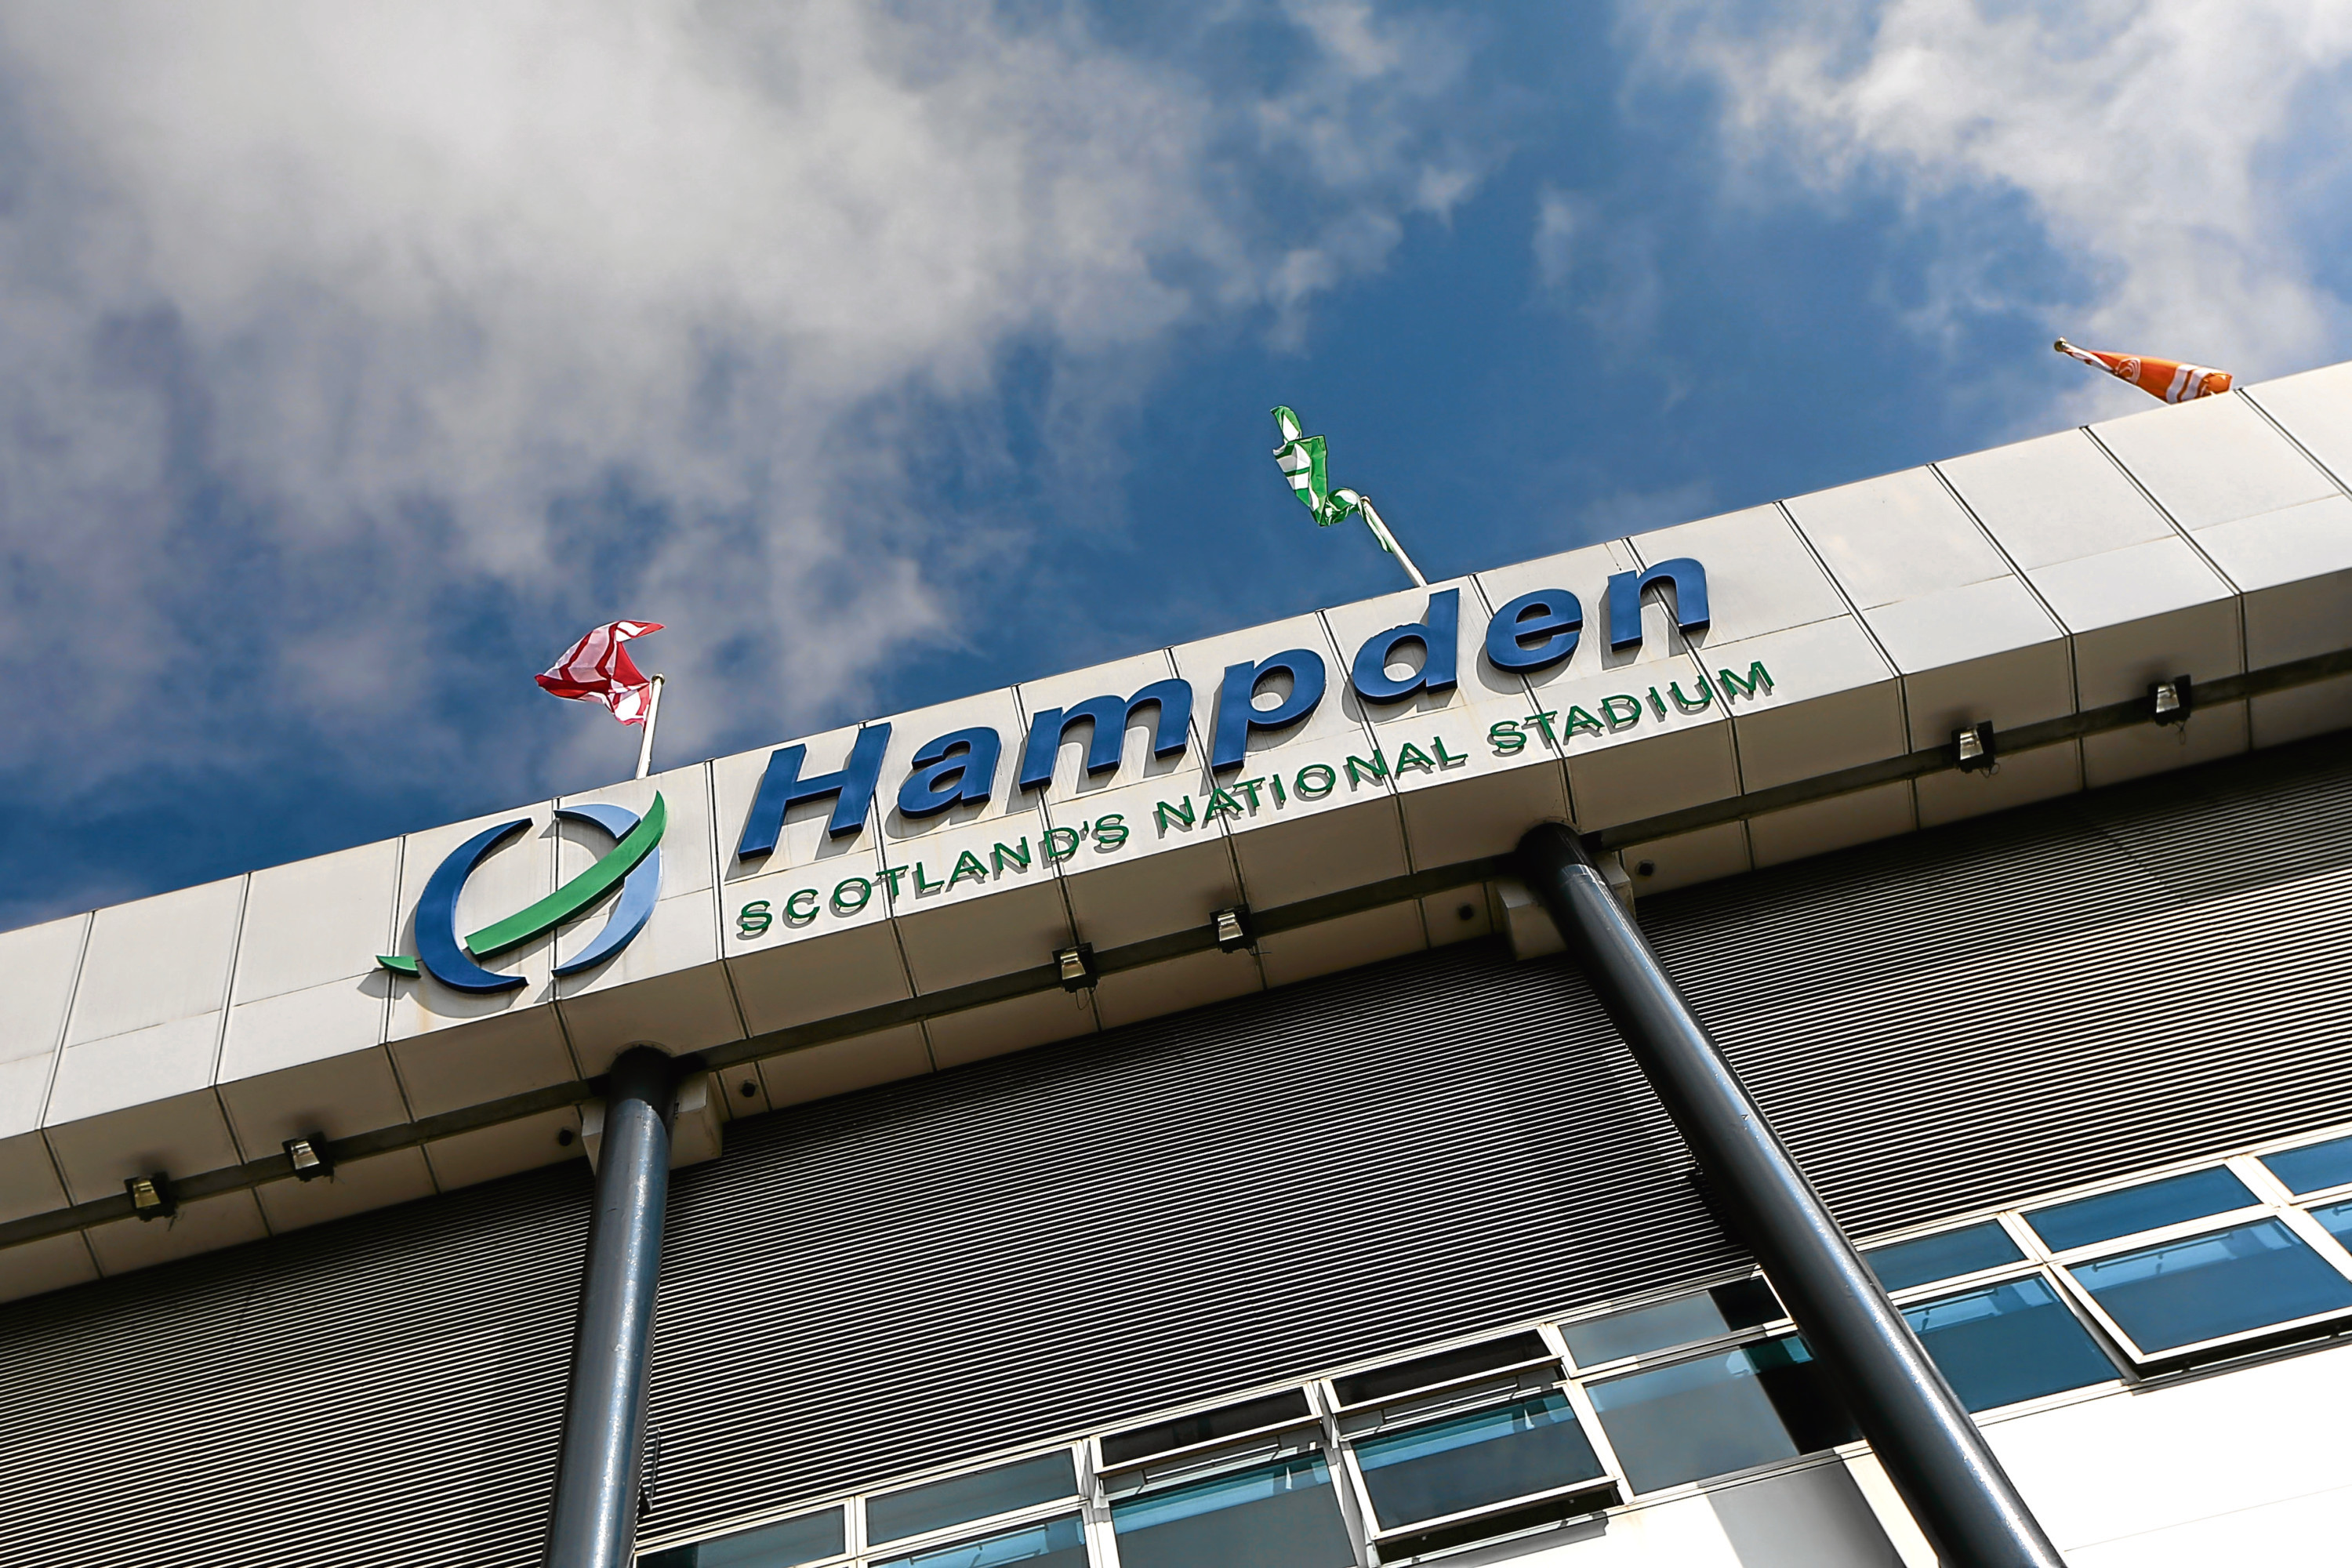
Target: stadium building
1206	1111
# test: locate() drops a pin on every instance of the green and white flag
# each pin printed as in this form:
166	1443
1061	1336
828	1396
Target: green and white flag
1303	463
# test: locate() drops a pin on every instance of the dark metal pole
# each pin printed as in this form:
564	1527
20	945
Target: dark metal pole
603	1425
1958	1493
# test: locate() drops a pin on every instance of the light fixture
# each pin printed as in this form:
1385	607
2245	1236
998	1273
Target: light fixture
1974	746
1233	928
2170	700
151	1196
1077	966
310	1157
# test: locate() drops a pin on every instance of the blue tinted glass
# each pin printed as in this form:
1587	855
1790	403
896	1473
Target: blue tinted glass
1985	1245
2007	1342
1061	1542
2308	1169
919	1509
2209	1286
803	1540
2338	1219
1282	1515
2168	1202
1695	1418
1468	1461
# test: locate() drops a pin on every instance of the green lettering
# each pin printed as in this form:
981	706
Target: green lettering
1543	722
1705	695
793	910
753	918
891	875
1445	757
1181	810
1577	719
1331	782
1249	788
920	885
1219	800
1058	844
1413	756
1376	768
1276	781
1018	856
865	894
1632	715
1507	737
1757	676
1110	831
967	865
1657	702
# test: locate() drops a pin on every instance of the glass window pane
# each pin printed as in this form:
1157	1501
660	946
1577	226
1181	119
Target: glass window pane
1443	1367
2209	1286
1684	1321
1468	1461
2317	1165
1060	1542
2168	1202
2007	1342
2338	1219
1963	1251
807	1539
1719	1413
1282	1515
898	1515
1186	1430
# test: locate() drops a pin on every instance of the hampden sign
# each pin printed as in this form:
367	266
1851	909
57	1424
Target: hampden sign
1531	633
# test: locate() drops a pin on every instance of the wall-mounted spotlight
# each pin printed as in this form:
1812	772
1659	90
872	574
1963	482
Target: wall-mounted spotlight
1232	929
310	1157
2171	700
1973	747
1077	966
151	1196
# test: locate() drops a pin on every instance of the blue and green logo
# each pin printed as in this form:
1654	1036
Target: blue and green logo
633	865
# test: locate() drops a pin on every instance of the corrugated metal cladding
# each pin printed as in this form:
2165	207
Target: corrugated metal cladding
910	1276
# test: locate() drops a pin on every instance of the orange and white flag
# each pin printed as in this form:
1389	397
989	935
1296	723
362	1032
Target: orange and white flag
2168	379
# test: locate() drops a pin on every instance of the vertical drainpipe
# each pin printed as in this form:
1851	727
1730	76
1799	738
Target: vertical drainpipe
1957	1492
603	1422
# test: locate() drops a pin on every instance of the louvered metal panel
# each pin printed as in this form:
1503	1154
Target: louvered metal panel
1079	1235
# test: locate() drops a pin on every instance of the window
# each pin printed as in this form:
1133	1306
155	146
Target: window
1720	1412
2002	1343
1207	1426
1967	1250
918	1510
2315	1167
2213	1287
1445	1367
2338	1219
1285	1514
1686	1319
1049	1544
1458	1463
2145	1207
811	1538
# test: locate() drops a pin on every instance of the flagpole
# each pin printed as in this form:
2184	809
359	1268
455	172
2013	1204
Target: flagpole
1388	541
653	715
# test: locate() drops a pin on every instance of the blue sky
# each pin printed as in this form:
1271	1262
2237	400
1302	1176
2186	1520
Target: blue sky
357	364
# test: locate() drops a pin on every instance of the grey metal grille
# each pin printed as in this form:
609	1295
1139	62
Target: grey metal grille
1081	1234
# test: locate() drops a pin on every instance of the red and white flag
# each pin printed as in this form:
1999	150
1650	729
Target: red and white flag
599	670
2168	379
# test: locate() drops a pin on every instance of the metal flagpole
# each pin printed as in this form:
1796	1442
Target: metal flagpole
1388	541
653	716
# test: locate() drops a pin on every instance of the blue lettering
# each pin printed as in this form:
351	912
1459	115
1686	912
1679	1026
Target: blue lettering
1109	719
1554	615
781	787
1236	716
1687	577
1437	632
957	769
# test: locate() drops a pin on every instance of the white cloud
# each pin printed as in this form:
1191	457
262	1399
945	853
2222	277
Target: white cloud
2162	146
325	323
